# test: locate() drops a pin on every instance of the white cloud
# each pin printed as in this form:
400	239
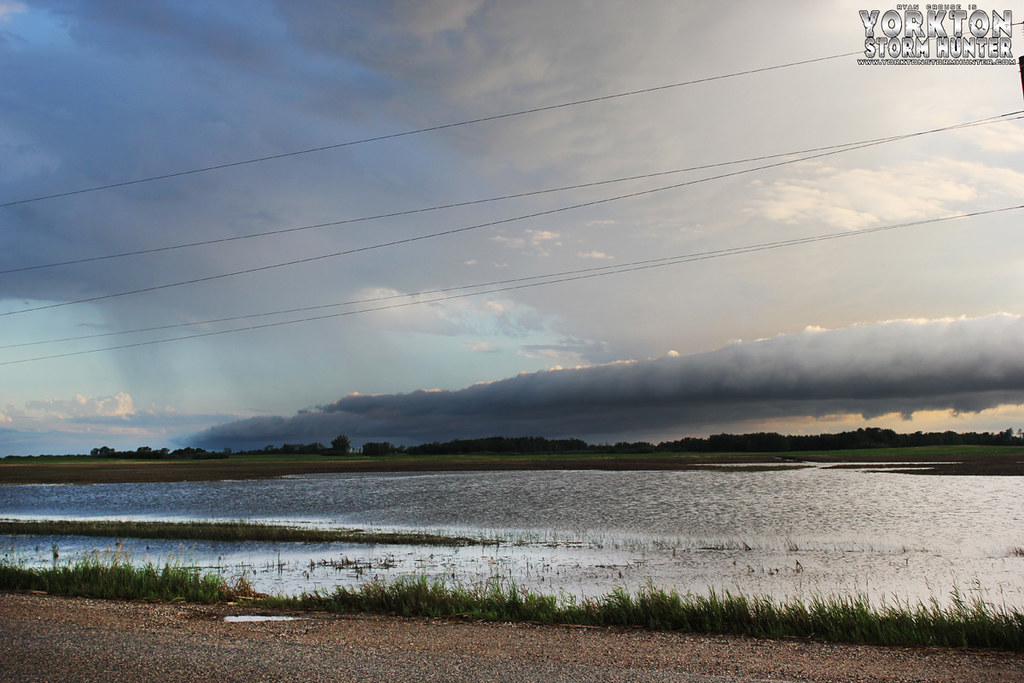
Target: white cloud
478	346
557	355
79	424
594	254
512	242
8	8
118	405
533	240
999	138
539	236
858	198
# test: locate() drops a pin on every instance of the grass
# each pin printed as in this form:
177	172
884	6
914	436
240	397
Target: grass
228	531
962	624
836	619
114	577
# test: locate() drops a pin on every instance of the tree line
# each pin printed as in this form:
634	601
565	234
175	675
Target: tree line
147	453
758	442
870	437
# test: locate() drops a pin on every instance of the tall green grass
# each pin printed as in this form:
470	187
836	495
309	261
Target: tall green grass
962	623
839	619
115	578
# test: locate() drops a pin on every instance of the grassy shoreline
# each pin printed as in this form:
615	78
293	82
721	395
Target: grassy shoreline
950	460
834	619
227	531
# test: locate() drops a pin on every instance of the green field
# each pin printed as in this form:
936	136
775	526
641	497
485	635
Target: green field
71	469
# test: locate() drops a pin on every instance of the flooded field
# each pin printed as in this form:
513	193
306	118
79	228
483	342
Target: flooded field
788	533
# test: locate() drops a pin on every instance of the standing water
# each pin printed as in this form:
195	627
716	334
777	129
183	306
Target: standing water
786	533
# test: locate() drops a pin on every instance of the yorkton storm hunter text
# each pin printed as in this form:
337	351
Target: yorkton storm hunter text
907	32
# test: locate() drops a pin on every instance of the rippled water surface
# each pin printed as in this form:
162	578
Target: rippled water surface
787	533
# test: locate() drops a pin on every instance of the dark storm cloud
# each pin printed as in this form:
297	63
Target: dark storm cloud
964	365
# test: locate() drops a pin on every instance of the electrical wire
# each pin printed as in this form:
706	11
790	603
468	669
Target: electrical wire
514	284
454	231
391	136
473	202
410	212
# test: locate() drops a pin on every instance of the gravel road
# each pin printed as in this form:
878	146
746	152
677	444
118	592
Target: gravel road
48	638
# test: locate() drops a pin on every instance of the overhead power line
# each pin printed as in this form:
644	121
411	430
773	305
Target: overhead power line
428	129
519	195
477	226
512	284
410	212
621	267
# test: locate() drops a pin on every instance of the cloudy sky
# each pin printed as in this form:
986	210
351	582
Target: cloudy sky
677	261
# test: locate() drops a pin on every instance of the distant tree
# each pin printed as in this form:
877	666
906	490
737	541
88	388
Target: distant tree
1005	438
378	448
951	438
293	448
187	452
341	444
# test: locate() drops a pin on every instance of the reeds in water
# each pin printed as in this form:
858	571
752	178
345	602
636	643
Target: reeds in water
963	623
113	576
239	531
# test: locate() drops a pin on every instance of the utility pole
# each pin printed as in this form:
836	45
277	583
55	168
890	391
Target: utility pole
1020	61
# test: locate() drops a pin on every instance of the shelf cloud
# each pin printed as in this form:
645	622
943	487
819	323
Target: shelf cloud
902	366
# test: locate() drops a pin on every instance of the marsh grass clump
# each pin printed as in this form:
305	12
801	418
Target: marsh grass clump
494	600
115	577
231	531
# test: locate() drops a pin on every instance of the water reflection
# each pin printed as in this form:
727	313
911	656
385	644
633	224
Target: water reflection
787	533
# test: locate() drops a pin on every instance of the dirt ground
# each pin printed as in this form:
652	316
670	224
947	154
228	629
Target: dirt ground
48	638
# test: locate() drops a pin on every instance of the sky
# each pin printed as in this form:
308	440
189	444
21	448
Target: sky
681	261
